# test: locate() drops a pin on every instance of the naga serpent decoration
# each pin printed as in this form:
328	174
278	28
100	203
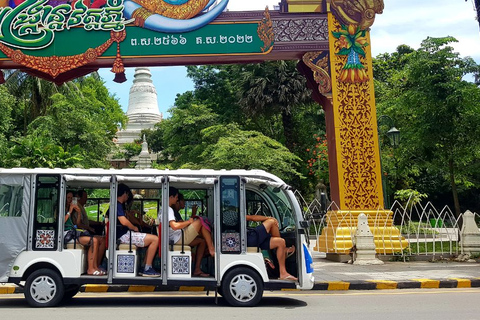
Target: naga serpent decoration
173	16
360	12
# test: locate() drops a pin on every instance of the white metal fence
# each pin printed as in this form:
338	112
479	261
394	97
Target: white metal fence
428	230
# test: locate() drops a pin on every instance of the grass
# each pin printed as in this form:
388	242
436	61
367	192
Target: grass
427	247
414	227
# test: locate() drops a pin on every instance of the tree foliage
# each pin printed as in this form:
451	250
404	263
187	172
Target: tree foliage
229	147
437	112
214	126
72	125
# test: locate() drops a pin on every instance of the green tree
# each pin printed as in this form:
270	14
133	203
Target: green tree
181	133
74	129
229	147
34	94
436	111
273	88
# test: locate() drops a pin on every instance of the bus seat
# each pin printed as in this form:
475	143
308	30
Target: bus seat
178	247
126	247
181	247
72	245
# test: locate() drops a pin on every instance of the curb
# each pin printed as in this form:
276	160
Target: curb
318	286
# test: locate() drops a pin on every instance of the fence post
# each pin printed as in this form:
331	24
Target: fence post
470	235
364	253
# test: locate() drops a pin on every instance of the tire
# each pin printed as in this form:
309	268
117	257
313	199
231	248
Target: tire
219	291
70	292
242	287
44	288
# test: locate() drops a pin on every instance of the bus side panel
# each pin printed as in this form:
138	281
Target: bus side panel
68	262
14	217
253	260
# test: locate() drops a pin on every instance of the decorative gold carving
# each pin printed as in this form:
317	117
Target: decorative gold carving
140	15
56	65
352	42
357	146
265	31
185	11
357	12
318	62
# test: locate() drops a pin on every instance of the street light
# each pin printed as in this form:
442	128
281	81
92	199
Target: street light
394	135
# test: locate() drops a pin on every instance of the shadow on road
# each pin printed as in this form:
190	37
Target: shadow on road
142	301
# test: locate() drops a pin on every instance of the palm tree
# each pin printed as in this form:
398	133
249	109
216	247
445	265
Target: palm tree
36	93
271	88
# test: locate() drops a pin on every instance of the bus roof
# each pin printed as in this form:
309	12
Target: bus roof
257	174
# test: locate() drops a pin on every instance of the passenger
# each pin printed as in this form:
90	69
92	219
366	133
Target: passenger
84	223
90	225
267	236
191	229
71	232
149	241
135	217
198	242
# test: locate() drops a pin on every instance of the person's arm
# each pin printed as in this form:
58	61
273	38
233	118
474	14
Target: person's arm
125	222
194	210
259	218
181	224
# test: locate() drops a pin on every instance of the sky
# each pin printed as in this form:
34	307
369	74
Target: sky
402	22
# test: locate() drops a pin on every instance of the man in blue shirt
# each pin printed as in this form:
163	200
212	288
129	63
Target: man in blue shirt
139	239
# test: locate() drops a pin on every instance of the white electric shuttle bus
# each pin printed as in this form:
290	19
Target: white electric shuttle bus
33	253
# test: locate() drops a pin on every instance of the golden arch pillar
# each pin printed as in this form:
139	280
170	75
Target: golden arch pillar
342	82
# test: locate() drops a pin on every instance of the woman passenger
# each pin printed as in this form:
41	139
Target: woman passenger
72	210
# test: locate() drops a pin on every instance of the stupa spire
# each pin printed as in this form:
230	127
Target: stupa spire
142	110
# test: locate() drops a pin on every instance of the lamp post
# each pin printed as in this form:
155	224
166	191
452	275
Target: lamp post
394	135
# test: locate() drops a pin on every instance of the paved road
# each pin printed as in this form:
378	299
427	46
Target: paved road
372	305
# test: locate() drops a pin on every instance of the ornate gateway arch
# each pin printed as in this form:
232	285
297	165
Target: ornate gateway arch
62	40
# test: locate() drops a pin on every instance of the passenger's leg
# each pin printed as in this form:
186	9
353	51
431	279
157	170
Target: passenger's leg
279	244
92	252
271	225
200	244
206	235
102	244
151	242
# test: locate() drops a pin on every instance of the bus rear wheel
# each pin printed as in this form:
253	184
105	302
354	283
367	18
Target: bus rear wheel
242	287
44	288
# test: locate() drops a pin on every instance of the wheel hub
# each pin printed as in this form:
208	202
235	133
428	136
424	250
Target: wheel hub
243	287
43	289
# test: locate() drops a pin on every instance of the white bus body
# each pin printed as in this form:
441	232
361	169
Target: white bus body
33	253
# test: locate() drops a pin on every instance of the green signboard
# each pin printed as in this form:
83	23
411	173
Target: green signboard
44	35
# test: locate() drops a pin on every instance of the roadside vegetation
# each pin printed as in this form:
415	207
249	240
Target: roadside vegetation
261	116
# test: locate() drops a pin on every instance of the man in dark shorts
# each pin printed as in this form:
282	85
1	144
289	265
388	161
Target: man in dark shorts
267	237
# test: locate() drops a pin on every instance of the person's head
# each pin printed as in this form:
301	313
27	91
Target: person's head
82	197
181	201
172	196
69	198
123	192
129	201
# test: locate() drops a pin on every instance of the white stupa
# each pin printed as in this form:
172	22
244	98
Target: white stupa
142	110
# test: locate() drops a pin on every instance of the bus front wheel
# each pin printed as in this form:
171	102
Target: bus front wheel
242	287
44	288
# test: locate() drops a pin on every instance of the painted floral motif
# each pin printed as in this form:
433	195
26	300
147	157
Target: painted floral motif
352	41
